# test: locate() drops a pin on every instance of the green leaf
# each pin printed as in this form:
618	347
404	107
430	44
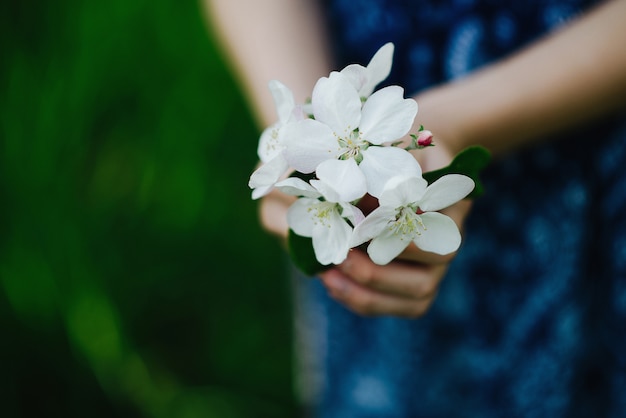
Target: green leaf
302	254
470	162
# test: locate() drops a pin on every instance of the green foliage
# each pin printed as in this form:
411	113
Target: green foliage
135	280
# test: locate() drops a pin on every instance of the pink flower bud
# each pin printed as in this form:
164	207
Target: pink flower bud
425	138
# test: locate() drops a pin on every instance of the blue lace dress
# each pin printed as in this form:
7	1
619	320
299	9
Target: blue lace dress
531	319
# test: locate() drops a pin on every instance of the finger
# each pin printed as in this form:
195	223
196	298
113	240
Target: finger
412	254
368	302
273	213
412	280
459	211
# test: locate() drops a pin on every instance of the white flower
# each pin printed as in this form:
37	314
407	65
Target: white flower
407	213
323	211
271	147
365	79
344	128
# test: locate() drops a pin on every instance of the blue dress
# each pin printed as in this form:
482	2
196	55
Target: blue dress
530	320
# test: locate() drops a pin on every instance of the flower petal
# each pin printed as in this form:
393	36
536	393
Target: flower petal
445	191
331	244
342	180
441	235
299	216
387	246
352	213
261	191
380	164
304	111
357	75
283	100
297	187
308	143
365	79
372	225
402	191
387	115
269	144
378	69
268	174
336	103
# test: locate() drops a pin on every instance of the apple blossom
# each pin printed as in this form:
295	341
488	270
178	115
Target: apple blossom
270	149
345	128
324	212
345	143
365	79
407	212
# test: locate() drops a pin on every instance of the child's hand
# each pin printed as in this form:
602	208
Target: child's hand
406	287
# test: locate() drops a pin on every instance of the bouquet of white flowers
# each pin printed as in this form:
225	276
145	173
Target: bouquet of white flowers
346	143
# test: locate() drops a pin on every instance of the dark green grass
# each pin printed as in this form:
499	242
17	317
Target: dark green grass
135	280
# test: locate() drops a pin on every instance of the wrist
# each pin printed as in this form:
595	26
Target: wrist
436	113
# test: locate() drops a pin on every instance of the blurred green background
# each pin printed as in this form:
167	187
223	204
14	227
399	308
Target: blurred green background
135	280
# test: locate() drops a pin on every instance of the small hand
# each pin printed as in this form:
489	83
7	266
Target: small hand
397	289
406	287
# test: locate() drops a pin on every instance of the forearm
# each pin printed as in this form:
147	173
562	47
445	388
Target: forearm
271	39
573	76
264	40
